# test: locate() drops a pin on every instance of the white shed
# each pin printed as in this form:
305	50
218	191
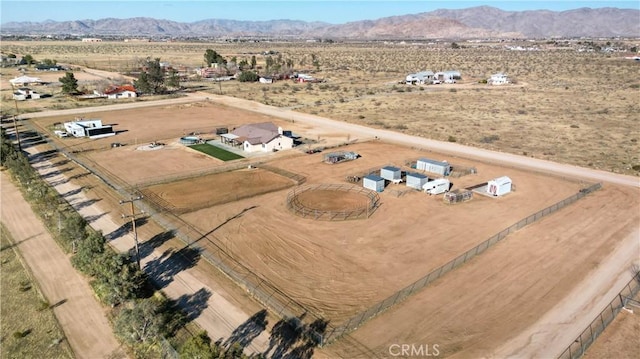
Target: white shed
498	79
440	167
373	182
416	180
499	186
390	173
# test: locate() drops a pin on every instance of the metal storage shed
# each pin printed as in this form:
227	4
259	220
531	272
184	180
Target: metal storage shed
373	182
499	186
440	167
416	180
390	173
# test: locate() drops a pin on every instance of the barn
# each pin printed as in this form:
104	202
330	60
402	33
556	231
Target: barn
499	186
391	173
442	168
373	182
416	180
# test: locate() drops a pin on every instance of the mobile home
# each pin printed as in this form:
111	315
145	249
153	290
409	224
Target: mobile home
442	168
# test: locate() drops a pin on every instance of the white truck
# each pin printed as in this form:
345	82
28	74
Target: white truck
437	186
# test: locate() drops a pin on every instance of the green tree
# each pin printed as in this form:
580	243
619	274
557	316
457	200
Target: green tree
69	83
212	57
248	76
88	251
173	80
151	79
141	321
74	228
28	59
253	62
49	62
199	347
269	63
117	278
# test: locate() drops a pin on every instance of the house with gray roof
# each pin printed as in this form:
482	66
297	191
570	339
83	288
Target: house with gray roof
258	137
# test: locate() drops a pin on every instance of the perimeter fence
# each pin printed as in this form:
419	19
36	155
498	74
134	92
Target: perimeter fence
579	346
356	321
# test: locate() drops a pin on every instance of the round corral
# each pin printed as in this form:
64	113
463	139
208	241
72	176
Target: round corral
332	202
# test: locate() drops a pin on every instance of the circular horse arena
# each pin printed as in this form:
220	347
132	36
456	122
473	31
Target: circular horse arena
332	202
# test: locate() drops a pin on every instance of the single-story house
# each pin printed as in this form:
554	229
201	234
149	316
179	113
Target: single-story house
448	76
266	80
258	137
419	78
440	167
24	93
88	128
25	80
498	79
125	91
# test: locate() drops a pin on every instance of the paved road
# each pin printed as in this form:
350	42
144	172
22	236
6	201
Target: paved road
59	281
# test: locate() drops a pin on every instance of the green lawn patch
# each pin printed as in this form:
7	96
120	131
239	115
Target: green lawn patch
216	152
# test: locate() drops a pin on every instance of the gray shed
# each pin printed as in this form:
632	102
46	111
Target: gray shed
440	167
416	180
373	182
391	173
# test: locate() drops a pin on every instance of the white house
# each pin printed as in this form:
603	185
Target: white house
25	80
126	91
24	93
498	79
448	76
258	137
266	80
440	167
88	128
420	78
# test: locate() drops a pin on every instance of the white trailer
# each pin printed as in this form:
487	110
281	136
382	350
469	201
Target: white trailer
437	186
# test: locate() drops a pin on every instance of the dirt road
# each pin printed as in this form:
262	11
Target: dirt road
217	315
59	281
358	131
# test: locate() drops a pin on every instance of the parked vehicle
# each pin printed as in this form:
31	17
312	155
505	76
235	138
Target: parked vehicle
437	186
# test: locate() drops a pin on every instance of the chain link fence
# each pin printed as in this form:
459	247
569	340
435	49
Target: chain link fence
578	347
356	321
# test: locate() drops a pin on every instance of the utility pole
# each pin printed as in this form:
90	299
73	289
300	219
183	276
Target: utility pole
133	216
15	124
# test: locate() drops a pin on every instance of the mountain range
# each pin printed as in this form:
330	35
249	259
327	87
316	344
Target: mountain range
475	22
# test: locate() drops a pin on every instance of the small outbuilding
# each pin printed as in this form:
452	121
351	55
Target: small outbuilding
373	182
437	186
442	168
499	186
391	173
416	180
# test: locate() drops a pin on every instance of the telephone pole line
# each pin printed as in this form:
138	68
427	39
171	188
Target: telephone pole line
133	217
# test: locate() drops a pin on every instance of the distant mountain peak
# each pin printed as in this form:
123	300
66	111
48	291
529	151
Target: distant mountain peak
475	22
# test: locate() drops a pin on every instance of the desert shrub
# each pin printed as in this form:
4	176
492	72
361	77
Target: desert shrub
635	167
452	139
490	139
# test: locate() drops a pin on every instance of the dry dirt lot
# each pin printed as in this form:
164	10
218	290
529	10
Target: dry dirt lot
566	106
339	268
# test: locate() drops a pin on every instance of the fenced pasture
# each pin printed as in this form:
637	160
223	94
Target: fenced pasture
215	189
332	202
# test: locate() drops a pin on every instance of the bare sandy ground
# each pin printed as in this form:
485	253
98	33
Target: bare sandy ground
59	281
487	288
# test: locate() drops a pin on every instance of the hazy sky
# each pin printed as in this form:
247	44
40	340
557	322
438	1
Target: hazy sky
335	12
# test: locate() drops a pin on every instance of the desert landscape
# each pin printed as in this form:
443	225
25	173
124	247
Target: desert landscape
575	108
